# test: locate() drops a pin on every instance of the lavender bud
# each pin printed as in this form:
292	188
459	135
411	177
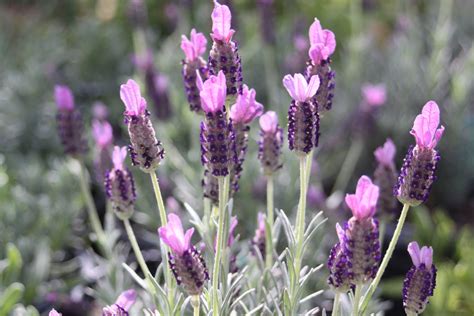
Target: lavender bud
119	185
325	94
270	143
339	274
385	177
189	79
303	126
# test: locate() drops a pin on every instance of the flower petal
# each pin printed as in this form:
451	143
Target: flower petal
126	299
313	87
414	251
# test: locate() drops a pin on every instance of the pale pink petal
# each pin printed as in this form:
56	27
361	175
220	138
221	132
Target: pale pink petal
414	251
199	82
362	185
118	156
233	225
340	232
313	87
261	221
386	153
131	97
374	95
426	256
187	238
353	203
199	42
330	42
102	133
126	299
269	122
315	53
63	97
439	132
187	48
172	234
369	201
301	87
221	19
213	93
418	129
431	112
53	312
289	84
315	32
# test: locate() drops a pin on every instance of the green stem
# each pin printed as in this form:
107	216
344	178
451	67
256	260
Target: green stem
220	242
92	210
350	162
355	304
386	258
136	248
169	280
336	304
195	303
268	231
301	213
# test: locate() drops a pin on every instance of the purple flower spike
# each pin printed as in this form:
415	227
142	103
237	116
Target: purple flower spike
418	171
194	64
224	53
69	122
218	151
258	241
145	150
323	43
303	117
374	96
242	113
363	202
385	177
119	185
420	280
270	143
322	46
122	305
103	137
355	259
53	312
186	262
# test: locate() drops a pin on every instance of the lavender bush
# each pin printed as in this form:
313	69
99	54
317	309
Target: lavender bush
184	208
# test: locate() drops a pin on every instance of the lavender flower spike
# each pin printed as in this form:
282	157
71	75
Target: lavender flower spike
359	239
145	150
224	54
103	136
418	171
53	312
323	45
218	151
122	305
420	280
242	113
69	121
193	49
119	185
186	262
303	118
385	177
270	143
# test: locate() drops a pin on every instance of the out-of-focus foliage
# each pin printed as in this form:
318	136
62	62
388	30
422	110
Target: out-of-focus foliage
420	50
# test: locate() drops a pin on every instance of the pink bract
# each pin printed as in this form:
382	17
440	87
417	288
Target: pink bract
213	92
420	256
221	19
374	95
269	122
63	97
173	235
130	94
386	153
195	46
323	42
118	156
425	128
102	133
363	202
246	107
299	89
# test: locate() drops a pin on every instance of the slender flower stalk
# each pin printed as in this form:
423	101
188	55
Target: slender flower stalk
415	180
336	304
122	305
270	143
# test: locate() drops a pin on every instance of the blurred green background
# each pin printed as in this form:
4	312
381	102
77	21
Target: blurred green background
420	50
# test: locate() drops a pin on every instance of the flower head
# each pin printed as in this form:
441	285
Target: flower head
195	46
299	89
246	107
386	153
63	97
102	133
323	42
122	305
221	18
420	256
374	95
425	128
53	312
269	122
130	94
212	92
363	202
174	236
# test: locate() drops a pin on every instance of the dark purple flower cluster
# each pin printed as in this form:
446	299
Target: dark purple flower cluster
189	79
71	130
189	269
270	143
325	94
224	56
303	126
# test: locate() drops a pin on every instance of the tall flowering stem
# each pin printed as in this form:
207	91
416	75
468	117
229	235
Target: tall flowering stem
270	220
416	178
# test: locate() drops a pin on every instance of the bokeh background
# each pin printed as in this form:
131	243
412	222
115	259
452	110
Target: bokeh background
419	50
